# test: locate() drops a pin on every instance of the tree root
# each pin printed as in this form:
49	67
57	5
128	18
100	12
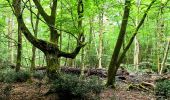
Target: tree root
144	86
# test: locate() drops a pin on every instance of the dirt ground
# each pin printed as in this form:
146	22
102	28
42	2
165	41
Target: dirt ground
35	90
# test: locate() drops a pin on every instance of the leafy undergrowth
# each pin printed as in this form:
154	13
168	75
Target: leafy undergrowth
10	76
72	86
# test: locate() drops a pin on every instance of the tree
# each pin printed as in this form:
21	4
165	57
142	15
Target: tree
49	48
10	42
117	57
35	30
19	46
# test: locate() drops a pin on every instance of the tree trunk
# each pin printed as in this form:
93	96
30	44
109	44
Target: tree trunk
10	42
165	58
19	49
33	47
136	42
100	39
136	54
113	63
82	61
52	66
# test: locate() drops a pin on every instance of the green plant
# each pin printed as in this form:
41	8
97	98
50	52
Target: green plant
163	88
71	86
10	76
22	76
38	75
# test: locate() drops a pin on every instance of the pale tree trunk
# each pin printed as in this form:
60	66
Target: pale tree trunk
10	42
164	58
136	54
61	29
82	61
160	35
100	39
136	42
90	33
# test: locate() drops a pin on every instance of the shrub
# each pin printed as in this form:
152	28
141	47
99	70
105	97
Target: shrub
38	75
163	88
10	76
71	86
22	76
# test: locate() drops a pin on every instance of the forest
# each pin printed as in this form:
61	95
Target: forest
84	50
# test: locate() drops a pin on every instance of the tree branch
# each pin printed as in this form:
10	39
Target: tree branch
41	11
73	54
135	33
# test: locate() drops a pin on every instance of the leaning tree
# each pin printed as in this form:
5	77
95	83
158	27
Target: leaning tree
49	48
118	57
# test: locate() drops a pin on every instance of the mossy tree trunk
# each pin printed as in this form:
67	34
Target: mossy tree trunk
19	45
113	64
19	49
52	61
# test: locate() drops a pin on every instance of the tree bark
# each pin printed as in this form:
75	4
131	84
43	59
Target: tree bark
165	58
136	42
17	4
100	38
112	66
80	11
19	49
53	66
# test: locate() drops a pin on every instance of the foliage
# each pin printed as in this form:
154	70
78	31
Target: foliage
10	76
38	75
163	88
71	86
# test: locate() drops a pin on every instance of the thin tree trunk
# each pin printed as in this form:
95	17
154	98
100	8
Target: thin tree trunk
136	54
165	58
35	30
61	29
136	42
100	39
19	46
80	11
10	42
160	35
19	49
33	47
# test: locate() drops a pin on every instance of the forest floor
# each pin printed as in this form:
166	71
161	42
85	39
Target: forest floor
33	90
